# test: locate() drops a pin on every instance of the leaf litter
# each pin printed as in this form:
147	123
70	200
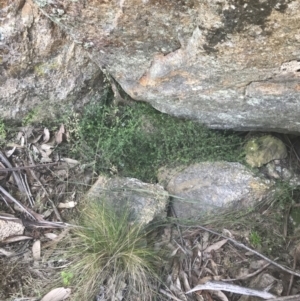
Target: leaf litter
208	266
39	189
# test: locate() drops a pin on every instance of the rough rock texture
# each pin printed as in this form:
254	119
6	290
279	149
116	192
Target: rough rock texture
10	228
145	201
226	63
261	150
206	187
41	68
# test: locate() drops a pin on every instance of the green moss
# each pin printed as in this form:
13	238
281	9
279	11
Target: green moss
2	131
136	140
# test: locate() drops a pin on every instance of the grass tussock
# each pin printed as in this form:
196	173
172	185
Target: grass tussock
111	255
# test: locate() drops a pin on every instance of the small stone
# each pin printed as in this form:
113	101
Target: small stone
206	188
10	228
261	150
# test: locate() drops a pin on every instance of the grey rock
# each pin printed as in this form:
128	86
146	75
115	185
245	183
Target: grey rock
10	228
207	187
261	150
224	65
144	201
41	69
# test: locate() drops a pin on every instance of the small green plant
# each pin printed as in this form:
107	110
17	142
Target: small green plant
255	239
66	277
2	131
31	117
136	140
110	251
285	194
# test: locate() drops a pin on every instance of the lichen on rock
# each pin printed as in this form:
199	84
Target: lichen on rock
261	150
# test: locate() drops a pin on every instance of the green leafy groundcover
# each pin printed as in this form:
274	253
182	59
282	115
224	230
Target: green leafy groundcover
136	140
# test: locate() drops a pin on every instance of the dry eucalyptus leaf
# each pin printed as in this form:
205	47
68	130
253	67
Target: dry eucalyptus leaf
60	134
22	141
205	239
46	160
216	246
35	150
214	267
71	162
174	252
35	140
57	294
36	250
16	238
46	135
184	279
47	213
46	147
6	253
46	150
19	136
51	236
70	204
227	233
10	152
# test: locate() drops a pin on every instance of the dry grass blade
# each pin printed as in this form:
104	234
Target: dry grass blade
60	134
46	135
36	250
216	246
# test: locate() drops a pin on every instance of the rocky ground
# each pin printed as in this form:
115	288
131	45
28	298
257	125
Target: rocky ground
237	255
